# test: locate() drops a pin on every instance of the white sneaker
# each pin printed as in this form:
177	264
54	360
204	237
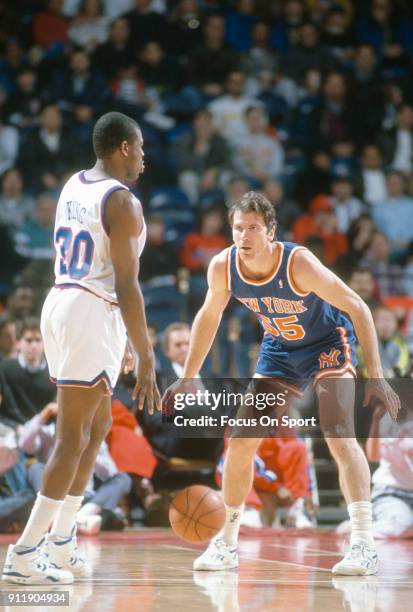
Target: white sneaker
62	552
361	560
218	556
297	516
30	566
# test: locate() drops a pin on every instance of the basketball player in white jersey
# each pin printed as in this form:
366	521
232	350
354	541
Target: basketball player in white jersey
99	236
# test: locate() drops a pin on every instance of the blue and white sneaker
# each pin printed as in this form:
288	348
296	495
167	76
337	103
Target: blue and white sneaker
25	565
361	560
218	556
63	554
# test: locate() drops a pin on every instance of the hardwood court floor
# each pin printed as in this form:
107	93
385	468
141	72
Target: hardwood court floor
279	570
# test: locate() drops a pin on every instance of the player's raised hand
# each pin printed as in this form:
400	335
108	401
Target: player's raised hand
380	389
146	387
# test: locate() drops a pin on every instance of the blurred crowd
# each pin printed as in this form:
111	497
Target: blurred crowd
308	101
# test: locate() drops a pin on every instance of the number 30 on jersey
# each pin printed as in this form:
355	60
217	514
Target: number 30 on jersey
76	252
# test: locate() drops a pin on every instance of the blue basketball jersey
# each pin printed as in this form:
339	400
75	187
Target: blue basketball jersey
291	318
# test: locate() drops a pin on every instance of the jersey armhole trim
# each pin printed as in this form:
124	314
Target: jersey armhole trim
103	203
290	275
228	268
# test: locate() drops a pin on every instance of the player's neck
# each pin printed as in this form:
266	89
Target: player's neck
263	264
104	169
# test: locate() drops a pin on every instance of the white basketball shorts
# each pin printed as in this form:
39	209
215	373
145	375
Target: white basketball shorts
84	338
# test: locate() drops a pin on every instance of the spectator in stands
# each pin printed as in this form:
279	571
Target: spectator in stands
346	206
106	487
9	145
21	303
280	480
89	28
308	53
81	91
389	33
397	143
48	152
198	249
392	494
24	103
256	155
343	161
235	189
321	223
287	210
336	34
15	206
239	24
394	353
50	27
25	387
202	157
388	275
16	492
394	215
35	241
184	29
8	339
286	32
366	95
212	60
159	261
157	430
156	68
330	120
145	24
117	52
314	179
259	56
408	272
228	111
10	261
361	280
371	183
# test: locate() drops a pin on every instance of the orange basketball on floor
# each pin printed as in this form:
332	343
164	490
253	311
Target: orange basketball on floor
197	513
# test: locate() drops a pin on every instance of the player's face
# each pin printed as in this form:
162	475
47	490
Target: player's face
135	155
250	234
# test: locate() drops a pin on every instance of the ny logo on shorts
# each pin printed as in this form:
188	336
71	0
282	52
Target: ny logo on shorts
329	360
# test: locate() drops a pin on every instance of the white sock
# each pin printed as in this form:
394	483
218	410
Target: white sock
232	524
361	520
65	519
42	514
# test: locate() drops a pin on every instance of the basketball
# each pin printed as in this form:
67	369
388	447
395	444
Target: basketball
197	513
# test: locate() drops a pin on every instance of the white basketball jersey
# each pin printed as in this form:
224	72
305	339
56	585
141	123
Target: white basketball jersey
81	239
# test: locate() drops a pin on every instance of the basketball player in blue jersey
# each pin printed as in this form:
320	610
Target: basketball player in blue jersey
99	235
300	305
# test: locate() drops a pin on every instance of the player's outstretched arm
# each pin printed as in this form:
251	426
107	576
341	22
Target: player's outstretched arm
310	275
125	221
208	318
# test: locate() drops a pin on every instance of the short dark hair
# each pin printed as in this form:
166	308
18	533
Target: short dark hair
27	324
110	131
255	202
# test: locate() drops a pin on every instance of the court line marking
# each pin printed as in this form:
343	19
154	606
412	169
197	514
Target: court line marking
333	554
243	556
